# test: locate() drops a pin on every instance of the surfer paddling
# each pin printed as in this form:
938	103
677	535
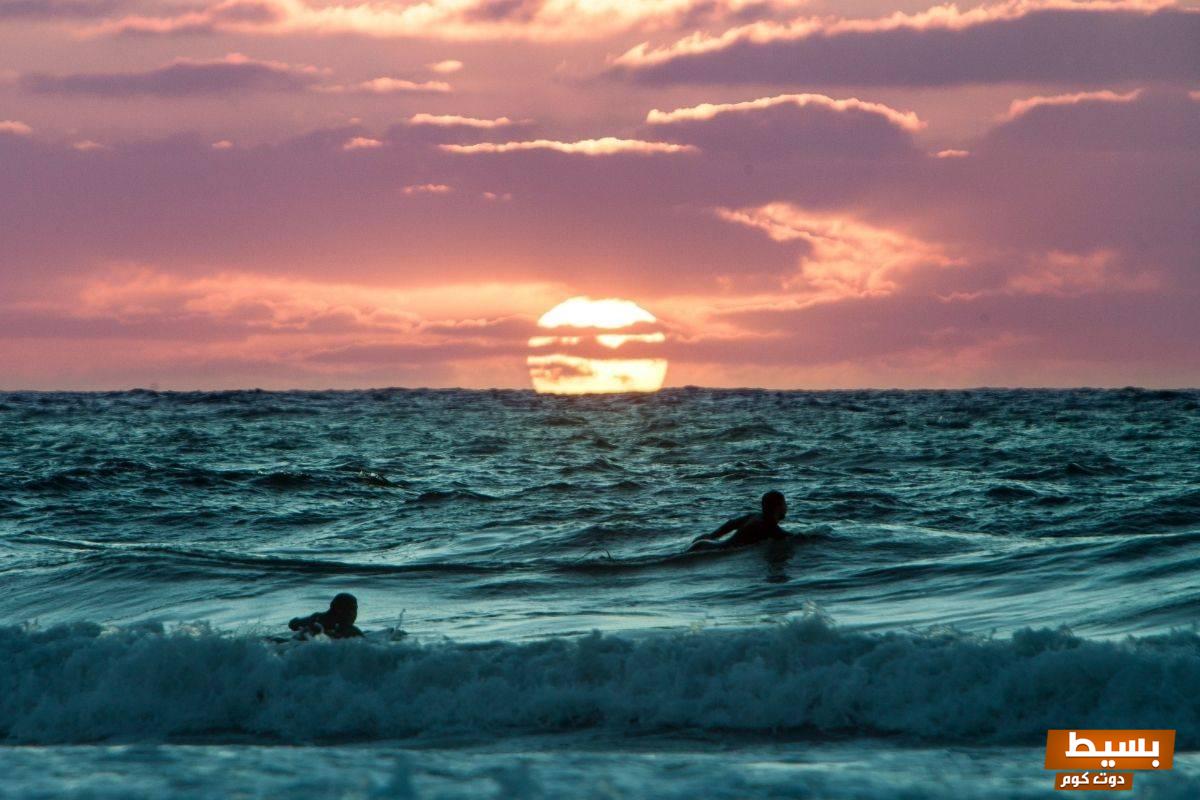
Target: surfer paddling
750	529
336	623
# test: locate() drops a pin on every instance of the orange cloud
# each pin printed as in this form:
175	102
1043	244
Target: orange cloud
466	20
361	143
846	258
131	292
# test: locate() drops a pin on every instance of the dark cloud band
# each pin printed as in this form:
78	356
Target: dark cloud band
1079	46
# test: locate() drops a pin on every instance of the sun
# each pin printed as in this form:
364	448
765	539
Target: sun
597	347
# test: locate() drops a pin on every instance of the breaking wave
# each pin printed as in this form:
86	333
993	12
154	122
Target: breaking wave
82	683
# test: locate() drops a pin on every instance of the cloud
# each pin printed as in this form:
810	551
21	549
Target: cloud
844	257
792	124
1071	274
142	325
361	143
460	20
1091	339
605	146
428	188
707	111
390	86
158	201
1138	120
222	16
1041	257
181	78
427	130
1088	43
454	120
446	67
15	128
233	73
57	9
1019	107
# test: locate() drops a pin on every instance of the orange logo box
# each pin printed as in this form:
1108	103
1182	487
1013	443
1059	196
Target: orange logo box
1109	749
1100	782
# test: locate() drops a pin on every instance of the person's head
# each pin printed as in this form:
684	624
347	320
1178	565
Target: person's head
344	608
774	506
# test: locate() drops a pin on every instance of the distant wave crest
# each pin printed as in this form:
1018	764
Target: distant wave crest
82	683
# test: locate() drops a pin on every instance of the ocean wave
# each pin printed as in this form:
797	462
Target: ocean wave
118	473
451	496
81	683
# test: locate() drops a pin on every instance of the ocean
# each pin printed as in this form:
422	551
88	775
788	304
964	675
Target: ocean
971	569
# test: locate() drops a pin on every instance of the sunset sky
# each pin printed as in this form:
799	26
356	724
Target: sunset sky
281	193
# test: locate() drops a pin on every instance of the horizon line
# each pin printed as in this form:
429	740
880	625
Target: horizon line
686	387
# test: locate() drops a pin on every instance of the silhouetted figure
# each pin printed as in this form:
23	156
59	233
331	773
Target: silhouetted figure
336	623
750	529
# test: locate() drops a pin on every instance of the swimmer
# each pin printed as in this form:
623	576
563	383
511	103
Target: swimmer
750	529
336	623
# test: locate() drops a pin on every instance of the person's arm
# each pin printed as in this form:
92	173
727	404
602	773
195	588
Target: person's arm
731	525
307	626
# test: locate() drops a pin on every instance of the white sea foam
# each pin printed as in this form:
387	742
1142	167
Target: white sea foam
81	683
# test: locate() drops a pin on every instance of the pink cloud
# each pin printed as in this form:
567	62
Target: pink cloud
1019	107
1069	274
454	120
1104	120
447	67
456	20
1052	40
15	128
605	146
361	143
1062	249
428	188
144	325
182	77
707	111
792	125
390	86
844	257
57	9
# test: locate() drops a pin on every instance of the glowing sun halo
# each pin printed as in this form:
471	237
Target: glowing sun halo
571	357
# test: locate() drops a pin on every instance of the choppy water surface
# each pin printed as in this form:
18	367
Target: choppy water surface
494	527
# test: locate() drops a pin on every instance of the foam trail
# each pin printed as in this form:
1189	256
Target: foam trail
80	683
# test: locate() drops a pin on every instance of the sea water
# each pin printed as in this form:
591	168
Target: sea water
972	568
